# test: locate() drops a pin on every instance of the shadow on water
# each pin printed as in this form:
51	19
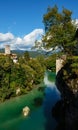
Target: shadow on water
60	112
65	111
49	102
52	95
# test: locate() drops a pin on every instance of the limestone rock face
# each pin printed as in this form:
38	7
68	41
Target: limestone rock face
26	111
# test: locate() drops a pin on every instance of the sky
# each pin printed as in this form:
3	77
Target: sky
21	21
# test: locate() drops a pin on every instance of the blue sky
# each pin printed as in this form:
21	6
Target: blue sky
21	20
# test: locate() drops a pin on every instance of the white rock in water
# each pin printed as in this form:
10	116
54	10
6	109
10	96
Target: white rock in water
26	110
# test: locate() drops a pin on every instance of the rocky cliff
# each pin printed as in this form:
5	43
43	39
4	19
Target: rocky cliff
66	110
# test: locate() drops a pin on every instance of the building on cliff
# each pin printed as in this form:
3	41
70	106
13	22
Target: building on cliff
8	53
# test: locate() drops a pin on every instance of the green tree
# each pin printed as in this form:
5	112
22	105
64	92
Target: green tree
26	56
59	30
39	70
50	63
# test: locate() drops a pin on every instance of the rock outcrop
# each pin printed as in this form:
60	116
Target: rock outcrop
67	82
66	110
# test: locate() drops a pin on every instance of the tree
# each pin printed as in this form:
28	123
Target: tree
59	30
26	56
38	69
50	63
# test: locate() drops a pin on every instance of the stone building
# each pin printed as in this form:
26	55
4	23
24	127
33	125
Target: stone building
13	56
7	50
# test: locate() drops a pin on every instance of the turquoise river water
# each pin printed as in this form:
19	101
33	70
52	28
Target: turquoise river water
40	117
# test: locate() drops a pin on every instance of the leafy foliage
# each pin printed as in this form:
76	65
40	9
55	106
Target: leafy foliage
50	63
23	75
59	30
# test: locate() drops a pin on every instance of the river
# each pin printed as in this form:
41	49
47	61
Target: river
40	117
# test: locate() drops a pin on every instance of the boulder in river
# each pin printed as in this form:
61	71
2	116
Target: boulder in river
26	111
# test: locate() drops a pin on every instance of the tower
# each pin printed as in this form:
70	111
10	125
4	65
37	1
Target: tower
7	49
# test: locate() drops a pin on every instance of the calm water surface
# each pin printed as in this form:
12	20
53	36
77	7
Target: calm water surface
40	118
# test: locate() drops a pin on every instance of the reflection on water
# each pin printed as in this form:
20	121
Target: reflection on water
65	111
52	96
66	115
50	84
40	117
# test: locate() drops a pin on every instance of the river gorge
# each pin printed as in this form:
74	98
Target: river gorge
40	116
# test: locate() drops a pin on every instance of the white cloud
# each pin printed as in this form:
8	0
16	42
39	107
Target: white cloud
20	43
6	37
18	40
30	38
75	22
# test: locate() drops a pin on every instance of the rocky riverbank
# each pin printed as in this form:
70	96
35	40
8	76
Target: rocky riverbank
66	110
